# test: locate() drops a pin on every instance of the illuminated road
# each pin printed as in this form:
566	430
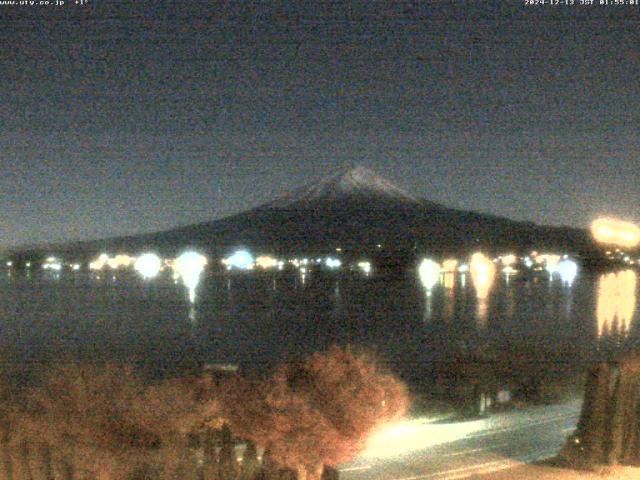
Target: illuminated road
417	450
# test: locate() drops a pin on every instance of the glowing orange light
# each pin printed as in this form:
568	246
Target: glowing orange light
120	261
266	262
449	265
449	280
615	232
509	260
100	262
551	262
483	272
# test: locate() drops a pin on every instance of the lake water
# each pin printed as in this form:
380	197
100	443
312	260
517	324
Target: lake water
257	320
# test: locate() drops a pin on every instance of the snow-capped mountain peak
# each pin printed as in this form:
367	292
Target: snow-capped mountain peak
356	183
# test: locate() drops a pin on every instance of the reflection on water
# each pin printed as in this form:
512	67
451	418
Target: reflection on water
188	267
483	272
429	272
616	302
264	316
568	270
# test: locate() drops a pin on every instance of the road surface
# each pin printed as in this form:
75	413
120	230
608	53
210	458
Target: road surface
419	449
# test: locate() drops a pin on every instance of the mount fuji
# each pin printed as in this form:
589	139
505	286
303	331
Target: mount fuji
357	211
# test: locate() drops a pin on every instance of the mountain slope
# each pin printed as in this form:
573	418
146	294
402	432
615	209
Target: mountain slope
357	211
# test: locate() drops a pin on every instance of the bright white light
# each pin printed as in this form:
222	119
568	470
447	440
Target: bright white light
429	272
148	265
551	262
404	437
52	266
9	263
52	263
332	262
75	267
568	270
528	262
241	259
28	264
463	268
189	267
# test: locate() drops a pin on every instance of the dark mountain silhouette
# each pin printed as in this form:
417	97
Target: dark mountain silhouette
355	211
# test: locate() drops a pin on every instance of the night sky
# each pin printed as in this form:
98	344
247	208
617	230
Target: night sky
118	118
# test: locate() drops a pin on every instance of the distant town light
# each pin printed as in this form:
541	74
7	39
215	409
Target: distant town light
100	262
266	262
509	270
551	262
9	263
449	265
52	263
120	261
148	265
56	266
509	260
241	259
365	267
332	262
